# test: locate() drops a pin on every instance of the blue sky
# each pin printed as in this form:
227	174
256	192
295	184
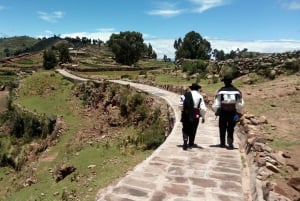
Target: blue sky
258	25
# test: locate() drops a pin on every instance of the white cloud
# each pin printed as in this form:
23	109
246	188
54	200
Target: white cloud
48	32
165	46
51	17
102	34
203	5
275	46
291	4
165	13
162	47
166	9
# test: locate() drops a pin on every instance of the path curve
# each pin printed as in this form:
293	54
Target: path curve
204	173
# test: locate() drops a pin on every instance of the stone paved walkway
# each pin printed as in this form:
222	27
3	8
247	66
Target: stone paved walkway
203	173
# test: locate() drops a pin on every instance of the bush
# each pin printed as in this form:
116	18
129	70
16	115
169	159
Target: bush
230	69
293	66
189	67
50	60
253	78
215	79
135	100
29	125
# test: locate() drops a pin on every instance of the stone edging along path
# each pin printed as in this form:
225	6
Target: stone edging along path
202	176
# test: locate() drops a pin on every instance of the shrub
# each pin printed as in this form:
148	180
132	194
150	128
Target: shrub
293	66
215	79
253	78
189	67
135	100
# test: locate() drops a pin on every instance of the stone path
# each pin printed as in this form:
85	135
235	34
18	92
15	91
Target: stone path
203	173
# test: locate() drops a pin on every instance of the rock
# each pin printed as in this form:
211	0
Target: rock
267	148
272	167
279	157
262	120
91	166
277	197
270	159
63	171
264	173
30	181
263	141
294	167
254	121
295	183
286	155
251	140
260	159
258	147
266	188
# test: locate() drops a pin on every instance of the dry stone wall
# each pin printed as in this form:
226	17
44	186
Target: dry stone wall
276	63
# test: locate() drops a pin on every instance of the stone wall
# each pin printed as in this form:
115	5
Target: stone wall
275	63
262	161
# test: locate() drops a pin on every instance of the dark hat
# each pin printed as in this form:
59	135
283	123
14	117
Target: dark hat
195	86
227	78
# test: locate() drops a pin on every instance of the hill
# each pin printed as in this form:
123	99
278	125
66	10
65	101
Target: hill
270	84
15	45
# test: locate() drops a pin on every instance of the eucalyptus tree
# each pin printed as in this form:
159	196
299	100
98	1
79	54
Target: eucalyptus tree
128	47
193	46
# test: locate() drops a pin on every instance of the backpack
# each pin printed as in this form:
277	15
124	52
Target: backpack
189	113
228	101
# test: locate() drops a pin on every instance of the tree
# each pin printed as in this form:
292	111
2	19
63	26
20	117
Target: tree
193	46
64	54
50	60
231	55
6	52
128	47
151	54
219	55
166	59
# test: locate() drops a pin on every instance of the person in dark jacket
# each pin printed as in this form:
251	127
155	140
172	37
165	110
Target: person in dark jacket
193	108
228	106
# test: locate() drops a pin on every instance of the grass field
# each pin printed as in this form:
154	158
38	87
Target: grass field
49	93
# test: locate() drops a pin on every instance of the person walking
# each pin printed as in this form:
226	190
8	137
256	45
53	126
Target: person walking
228	106
192	109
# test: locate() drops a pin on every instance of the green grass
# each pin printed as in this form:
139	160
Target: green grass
49	93
282	143
155	63
109	166
172	80
115	74
6	78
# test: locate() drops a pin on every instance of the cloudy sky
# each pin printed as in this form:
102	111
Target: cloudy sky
258	25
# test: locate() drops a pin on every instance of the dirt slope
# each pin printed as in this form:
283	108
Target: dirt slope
279	101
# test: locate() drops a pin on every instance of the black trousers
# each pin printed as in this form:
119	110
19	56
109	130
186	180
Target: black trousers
226	125
189	130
